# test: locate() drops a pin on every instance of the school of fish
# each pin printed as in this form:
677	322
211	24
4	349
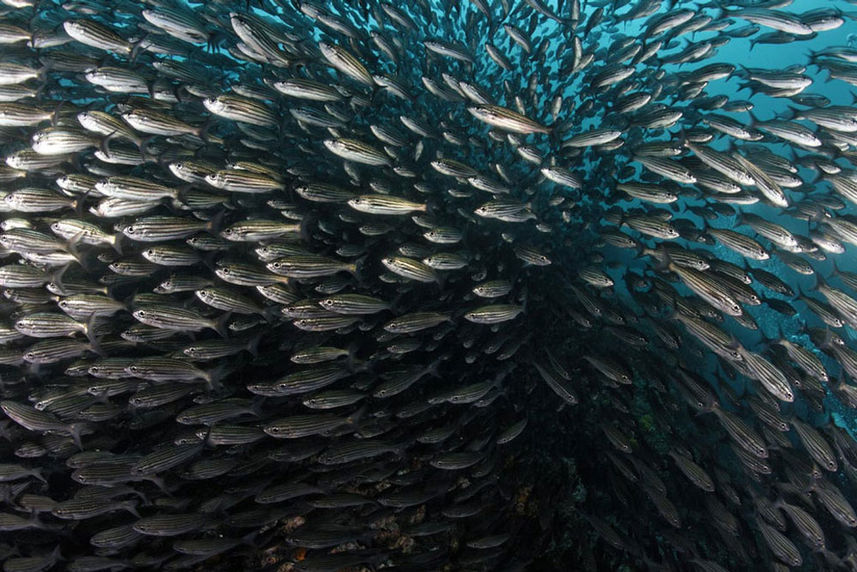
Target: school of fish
451	285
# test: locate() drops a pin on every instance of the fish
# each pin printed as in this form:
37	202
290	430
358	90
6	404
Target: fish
428	285
506	119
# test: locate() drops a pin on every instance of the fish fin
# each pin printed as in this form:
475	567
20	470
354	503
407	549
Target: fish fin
376	89
220	325
212	43
116	243
441	281
55	115
205	440
37	472
209	260
836	272
40	91
305	233
104	146
256	405
57	275
250	538
80	203
355	417
554	135
89	332
357	267
434	367
130	506
42	74
662	265
136	48
351	359
839	381
182	192
76	162
754	121
215	223
202	132
218	373
72	248
781	331
788	114
143	146
76	430
269	314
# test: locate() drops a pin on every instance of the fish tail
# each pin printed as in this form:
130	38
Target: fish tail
221	325
90	333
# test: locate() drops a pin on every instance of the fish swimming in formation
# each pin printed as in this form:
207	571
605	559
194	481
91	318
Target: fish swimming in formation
485	285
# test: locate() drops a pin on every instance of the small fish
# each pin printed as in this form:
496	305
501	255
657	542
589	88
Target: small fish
506	119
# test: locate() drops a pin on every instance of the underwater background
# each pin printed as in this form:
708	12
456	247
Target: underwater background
456	285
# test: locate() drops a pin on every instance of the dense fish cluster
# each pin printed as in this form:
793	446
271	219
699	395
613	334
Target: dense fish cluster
486	285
